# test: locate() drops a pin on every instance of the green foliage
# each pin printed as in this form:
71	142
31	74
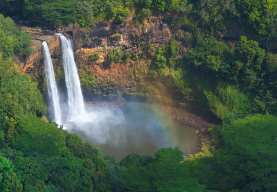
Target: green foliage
127	54
87	80
9	181
18	96
107	64
94	57
250	54
149	50
173	47
160	59
210	173
53	160
211	13
258	14
144	13
115	55
248	65
56	12
36	136
160	5
135	160
143	4
84	13
209	83
171	5
208	56
117	11
162	174
13	40
32	174
169	155
250	152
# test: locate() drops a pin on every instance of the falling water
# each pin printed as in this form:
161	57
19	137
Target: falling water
75	96
51	84
71	42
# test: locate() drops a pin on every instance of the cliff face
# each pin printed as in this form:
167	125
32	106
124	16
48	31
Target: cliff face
128	77
33	65
126	35
101	38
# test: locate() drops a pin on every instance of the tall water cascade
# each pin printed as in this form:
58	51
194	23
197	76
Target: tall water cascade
71	42
51	84
75	96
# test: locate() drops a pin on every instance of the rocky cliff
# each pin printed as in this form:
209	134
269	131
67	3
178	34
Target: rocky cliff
129	77
33	65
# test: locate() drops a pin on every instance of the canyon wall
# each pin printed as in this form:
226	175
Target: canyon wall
128	79
33	64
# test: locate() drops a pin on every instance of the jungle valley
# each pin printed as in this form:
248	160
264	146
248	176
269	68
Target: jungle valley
188	85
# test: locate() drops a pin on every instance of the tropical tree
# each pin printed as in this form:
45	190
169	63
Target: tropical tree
250	153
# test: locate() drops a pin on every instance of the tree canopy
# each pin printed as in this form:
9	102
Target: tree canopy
250	152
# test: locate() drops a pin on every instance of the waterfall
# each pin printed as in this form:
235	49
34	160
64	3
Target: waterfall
75	96
71	43
51	84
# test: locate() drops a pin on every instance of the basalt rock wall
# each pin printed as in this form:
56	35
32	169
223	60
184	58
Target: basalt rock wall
33	64
128	78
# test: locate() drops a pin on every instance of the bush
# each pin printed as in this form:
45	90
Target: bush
127	55
94	57
107	64
259	15
115	55
144	13
160	59
116	10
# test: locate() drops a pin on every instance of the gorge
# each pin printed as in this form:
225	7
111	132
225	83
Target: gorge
136	127
96	95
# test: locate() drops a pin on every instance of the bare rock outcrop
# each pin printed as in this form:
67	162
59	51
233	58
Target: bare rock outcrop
33	64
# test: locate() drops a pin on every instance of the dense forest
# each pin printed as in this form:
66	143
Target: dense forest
232	77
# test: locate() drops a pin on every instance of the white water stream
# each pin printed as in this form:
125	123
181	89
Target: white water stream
74	92
51	84
71	42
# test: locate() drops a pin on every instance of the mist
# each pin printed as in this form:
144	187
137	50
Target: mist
136	127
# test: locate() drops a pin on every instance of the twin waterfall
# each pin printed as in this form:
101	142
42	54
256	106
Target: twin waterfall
75	96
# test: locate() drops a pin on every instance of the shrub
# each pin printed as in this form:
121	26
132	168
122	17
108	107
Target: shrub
160	59
94	57
115	55
107	64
